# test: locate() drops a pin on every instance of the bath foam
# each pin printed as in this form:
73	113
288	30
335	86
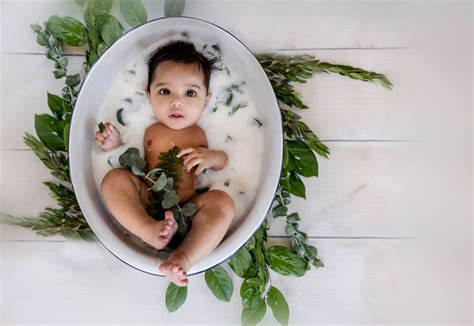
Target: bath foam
233	125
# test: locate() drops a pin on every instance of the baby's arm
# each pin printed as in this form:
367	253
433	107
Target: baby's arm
203	158
109	138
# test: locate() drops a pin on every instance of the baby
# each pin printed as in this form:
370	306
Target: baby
178	90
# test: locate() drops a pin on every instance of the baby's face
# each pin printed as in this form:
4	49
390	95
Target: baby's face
177	94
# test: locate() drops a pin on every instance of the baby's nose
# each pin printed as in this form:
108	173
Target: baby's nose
177	102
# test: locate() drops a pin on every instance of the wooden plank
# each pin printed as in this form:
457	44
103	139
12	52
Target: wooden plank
279	24
365	189
364	281
340	108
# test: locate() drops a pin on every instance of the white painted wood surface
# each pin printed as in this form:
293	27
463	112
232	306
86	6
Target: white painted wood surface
391	212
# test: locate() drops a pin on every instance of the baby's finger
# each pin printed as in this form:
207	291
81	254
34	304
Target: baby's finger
192	163
189	157
199	169
185	151
108	128
99	136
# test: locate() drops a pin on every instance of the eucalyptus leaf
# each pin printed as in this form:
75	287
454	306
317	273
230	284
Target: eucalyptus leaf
101	127
119	117
174	8
110	29
175	296
68	30
160	183
132	157
253	315
220	283
242	263
169	199
137	171
278	211
189	209
285	155
134	12
46	128
285	261
276	301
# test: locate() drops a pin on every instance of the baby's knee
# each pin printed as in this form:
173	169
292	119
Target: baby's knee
224	201
119	178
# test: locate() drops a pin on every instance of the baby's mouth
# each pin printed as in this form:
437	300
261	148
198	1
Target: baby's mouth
176	116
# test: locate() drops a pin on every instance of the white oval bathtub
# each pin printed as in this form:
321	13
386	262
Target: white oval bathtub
83	127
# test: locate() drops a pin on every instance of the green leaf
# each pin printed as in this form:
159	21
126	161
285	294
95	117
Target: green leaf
175	296
285	261
119	117
302	159
160	183
55	104
137	171
66	135
47	130
279	210
100	7
80	2
68	30
110	29
132	157
285	156
189	209
250	293
253	315
133	11
276	301
174	8
73	80
101	127
242	263
169	199
297	187
293	218
218	280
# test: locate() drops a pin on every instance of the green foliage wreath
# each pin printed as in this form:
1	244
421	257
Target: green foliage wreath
254	260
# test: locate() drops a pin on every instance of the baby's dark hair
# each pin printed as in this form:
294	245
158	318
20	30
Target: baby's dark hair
180	52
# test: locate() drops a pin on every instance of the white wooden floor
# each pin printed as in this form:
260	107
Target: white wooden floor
391	212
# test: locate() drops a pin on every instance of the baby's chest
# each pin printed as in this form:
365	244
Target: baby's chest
158	141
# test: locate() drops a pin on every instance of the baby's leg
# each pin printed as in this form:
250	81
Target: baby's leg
209	225
125	196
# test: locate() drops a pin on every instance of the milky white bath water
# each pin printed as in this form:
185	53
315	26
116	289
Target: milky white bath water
231	122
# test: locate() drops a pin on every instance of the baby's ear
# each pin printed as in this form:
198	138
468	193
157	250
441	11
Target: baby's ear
208	97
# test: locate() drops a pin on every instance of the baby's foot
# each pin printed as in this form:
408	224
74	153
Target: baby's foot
175	268
109	138
164	229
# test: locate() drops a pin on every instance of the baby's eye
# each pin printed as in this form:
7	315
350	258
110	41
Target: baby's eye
164	91
190	93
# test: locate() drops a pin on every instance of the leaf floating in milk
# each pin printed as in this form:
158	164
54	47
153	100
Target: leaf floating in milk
119	117
214	109
227	183
228	139
241	193
140	93
131	72
128	99
216	47
257	122
229	99
235	108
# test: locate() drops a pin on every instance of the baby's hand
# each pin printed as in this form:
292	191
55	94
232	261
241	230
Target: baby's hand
109	138
203	158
